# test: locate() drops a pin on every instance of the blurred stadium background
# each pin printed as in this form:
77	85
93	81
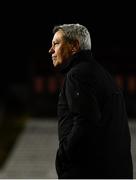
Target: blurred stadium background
30	86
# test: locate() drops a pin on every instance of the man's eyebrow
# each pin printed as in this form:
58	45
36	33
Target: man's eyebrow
56	41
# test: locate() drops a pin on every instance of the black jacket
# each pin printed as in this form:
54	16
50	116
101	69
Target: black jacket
94	138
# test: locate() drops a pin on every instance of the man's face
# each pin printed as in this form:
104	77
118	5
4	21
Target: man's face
60	50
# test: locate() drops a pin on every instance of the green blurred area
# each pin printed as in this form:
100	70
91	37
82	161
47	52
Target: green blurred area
11	125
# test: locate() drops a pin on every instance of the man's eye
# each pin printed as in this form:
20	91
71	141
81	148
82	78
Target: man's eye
56	43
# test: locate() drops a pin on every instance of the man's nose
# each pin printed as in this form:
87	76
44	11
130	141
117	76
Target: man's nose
51	50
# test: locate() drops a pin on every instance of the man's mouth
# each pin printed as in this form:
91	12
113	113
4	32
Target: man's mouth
53	58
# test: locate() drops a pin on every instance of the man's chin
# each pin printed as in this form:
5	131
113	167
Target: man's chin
57	66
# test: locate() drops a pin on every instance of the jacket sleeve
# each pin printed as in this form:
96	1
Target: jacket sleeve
83	105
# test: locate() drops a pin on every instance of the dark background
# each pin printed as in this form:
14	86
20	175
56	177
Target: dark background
29	86
28	81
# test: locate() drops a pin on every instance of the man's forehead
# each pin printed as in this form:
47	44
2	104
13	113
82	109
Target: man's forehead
58	35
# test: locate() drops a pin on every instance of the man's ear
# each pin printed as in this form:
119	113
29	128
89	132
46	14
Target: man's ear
75	46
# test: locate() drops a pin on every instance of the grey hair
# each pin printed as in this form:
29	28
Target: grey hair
74	32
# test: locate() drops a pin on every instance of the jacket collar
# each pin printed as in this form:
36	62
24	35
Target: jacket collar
83	55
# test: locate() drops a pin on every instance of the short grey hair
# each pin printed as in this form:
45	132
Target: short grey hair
74	32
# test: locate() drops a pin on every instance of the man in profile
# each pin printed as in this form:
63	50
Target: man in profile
94	137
